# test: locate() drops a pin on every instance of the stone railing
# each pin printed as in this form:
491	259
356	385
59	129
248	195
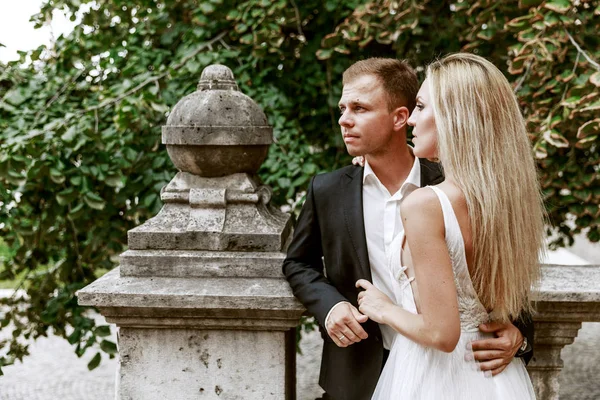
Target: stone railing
568	295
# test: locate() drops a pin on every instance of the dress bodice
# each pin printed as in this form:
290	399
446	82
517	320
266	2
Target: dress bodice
472	312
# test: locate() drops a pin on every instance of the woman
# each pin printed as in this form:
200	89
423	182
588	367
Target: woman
471	245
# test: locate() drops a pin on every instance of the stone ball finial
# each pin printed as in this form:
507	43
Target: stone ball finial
217	77
217	130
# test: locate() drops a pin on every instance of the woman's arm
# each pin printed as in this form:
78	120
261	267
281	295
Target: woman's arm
438	323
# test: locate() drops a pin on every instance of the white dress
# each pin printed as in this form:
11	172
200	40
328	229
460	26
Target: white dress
414	371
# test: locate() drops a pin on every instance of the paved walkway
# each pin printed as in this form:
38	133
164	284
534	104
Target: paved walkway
53	371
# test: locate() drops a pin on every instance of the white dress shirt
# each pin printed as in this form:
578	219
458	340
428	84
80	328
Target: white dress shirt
381	213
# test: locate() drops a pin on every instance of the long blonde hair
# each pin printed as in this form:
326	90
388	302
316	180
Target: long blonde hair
483	145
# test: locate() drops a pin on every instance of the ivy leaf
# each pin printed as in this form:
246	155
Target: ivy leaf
74	337
70	133
94	201
102	330
56	176
192	66
94	362
66	196
592	107
324	54
114	181
571	101
586	142
518	23
206	8
108	347
559	6
595	79
589	128
556	139
14	97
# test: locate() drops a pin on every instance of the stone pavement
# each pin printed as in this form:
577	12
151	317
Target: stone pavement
53	371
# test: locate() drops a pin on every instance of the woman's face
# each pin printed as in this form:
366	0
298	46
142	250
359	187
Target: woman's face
423	122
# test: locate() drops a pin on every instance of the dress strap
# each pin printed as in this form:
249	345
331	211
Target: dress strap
450	220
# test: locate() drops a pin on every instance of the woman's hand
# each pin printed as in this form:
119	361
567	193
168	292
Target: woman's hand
372	302
360	160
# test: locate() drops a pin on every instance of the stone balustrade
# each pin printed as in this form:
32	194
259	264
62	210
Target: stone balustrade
568	295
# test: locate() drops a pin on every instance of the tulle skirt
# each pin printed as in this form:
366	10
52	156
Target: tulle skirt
415	372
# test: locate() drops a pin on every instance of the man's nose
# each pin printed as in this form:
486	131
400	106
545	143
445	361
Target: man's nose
345	120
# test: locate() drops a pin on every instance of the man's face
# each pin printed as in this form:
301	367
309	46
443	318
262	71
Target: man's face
366	122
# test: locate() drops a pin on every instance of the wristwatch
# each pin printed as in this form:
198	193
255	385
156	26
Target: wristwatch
524	345
523	348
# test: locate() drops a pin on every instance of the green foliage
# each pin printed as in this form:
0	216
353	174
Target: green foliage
548	49
80	155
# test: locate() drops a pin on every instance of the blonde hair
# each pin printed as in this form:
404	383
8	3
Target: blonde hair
483	145
398	78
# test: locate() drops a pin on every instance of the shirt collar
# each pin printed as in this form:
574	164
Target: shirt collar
414	177
368	171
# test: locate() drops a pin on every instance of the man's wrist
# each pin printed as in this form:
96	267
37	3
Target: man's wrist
331	310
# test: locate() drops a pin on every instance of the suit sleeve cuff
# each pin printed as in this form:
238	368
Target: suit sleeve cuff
332	308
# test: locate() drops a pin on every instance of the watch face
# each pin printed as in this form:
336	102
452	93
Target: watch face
524	345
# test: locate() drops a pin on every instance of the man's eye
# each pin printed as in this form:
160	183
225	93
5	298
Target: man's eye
342	110
358	108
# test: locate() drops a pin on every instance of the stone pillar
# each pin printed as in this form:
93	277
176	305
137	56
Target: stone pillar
568	296
202	307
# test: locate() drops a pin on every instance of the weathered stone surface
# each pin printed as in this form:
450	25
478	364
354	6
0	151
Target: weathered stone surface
235	303
201	364
186	263
217	130
222	214
216	160
569	283
567	296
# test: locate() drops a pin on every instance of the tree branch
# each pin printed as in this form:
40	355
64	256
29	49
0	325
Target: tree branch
582	52
298	21
158	77
57	95
524	76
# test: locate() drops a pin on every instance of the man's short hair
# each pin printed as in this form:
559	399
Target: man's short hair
398	78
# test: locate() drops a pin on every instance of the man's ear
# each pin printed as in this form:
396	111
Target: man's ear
401	115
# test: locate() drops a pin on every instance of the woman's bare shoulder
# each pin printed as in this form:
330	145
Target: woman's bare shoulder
422	207
421	198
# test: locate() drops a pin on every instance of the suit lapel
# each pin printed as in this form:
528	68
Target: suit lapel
354	219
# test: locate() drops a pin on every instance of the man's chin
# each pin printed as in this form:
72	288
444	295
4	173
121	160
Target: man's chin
353	151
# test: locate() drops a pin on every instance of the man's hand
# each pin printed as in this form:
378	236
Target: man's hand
343	325
495	354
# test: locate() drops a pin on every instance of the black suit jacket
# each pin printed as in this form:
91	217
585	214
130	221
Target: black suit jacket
326	257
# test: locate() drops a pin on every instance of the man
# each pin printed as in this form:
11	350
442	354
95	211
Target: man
348	222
